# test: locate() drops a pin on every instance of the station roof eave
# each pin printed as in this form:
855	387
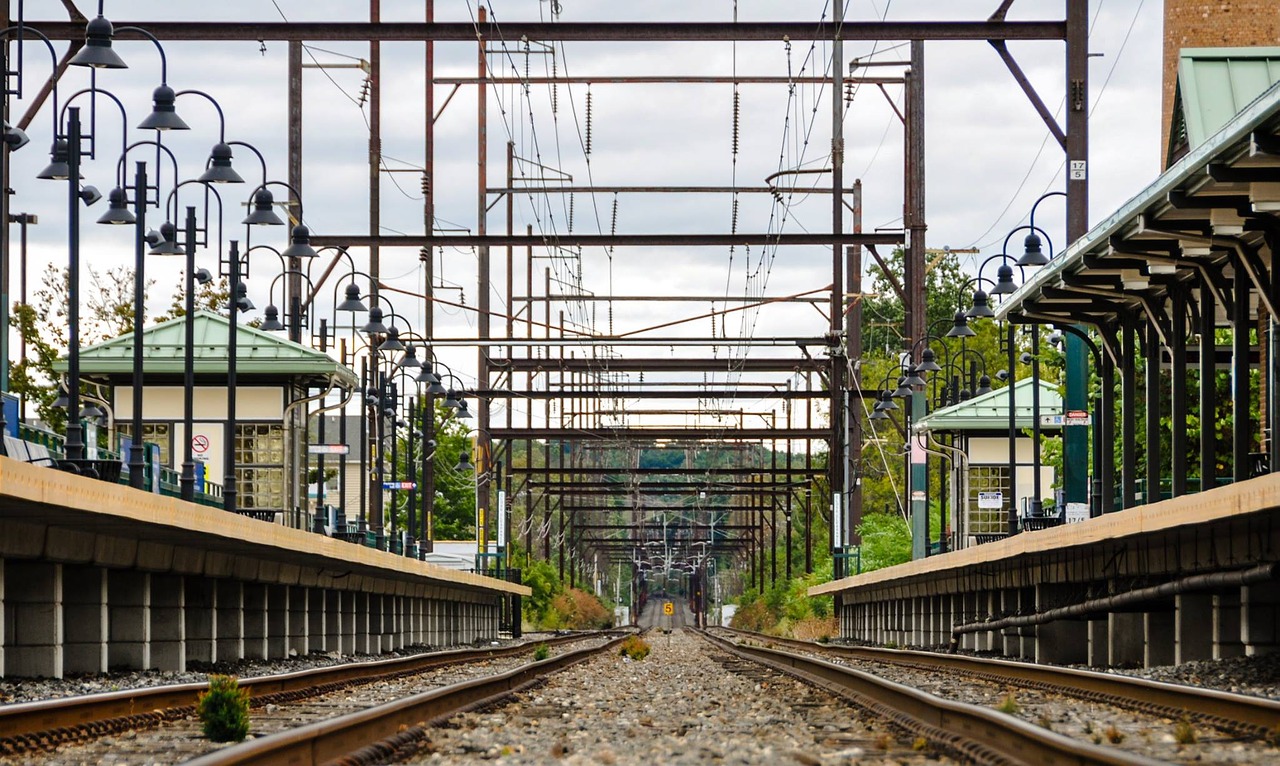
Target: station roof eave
259	355
990	411
1210	204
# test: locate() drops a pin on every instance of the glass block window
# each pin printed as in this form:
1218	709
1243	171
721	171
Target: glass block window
988	478
160	434
259	465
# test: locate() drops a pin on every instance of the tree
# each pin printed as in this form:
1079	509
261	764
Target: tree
107	313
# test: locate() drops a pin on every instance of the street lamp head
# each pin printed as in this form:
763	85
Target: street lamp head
392	341
464	464
1004	281
886	401
203	277
58	168
410	358
97	52
984	385
374	326
300	244
1055	338
928	361
463	413
14	138
903	390
89	195
915	377
272	322
92	412
1002	375
242	298
219	170
118	212
981	306
166	241
352	300
1025	358
264	213
164	115
1032	255
960	327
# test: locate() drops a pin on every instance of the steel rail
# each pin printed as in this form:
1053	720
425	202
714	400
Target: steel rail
372	735
1236	713
982	734
39	725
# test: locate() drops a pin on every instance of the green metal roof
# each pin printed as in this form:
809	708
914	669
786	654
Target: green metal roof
990	412
1214	85
257	353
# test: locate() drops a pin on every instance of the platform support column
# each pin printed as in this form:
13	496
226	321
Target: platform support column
1010	639
84	613
129	609
363	605
319	622
299	628
255	621
1099	642
1062	642
1260	618
230	622
201	618
1226	626
1160	644
168	623
33	613
1192	612
280	626
1126	644
350	622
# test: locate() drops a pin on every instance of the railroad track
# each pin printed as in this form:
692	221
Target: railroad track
1236	714
378	734
981	734
48	724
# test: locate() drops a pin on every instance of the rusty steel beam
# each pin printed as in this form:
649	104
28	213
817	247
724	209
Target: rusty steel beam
766	31
566	239
651	434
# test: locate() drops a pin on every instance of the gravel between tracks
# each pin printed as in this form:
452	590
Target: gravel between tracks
677	706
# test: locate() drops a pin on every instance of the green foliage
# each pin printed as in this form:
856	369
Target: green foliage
212	296
886	540
541	652
541	577
224	710
634	647
576	610
455	503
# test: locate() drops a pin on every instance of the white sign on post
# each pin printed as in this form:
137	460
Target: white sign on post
990	499
1076	512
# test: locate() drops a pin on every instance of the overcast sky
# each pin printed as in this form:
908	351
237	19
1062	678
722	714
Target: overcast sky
989	156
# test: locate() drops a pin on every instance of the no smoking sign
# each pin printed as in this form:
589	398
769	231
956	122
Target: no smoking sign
200	443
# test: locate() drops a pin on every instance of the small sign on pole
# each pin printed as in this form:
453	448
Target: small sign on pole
990	499
328	449
399	485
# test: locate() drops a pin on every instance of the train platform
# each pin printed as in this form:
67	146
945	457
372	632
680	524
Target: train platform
1189	578
95	575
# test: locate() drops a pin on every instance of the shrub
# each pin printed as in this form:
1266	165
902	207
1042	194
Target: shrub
577	610
1008	705
634	647
224	710
541	652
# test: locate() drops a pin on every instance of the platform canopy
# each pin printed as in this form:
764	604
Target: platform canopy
990	411
1219	200
260	357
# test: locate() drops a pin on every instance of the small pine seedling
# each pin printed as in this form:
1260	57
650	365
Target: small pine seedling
541	652
224	710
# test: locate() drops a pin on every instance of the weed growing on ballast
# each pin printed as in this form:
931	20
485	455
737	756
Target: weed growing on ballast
224	710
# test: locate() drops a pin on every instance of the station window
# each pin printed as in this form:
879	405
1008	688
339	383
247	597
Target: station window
988	478
160	434
260	465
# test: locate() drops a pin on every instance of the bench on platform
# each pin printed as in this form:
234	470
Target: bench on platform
260	514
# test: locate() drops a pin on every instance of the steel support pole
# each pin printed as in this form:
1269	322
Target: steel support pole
75	433
1075	438
1208	386
1241	433
1178	390
137	449
229	496
427	536
838	474
1012	360
484	448
1107	440
293	279
1151	411
1129	414
188	480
